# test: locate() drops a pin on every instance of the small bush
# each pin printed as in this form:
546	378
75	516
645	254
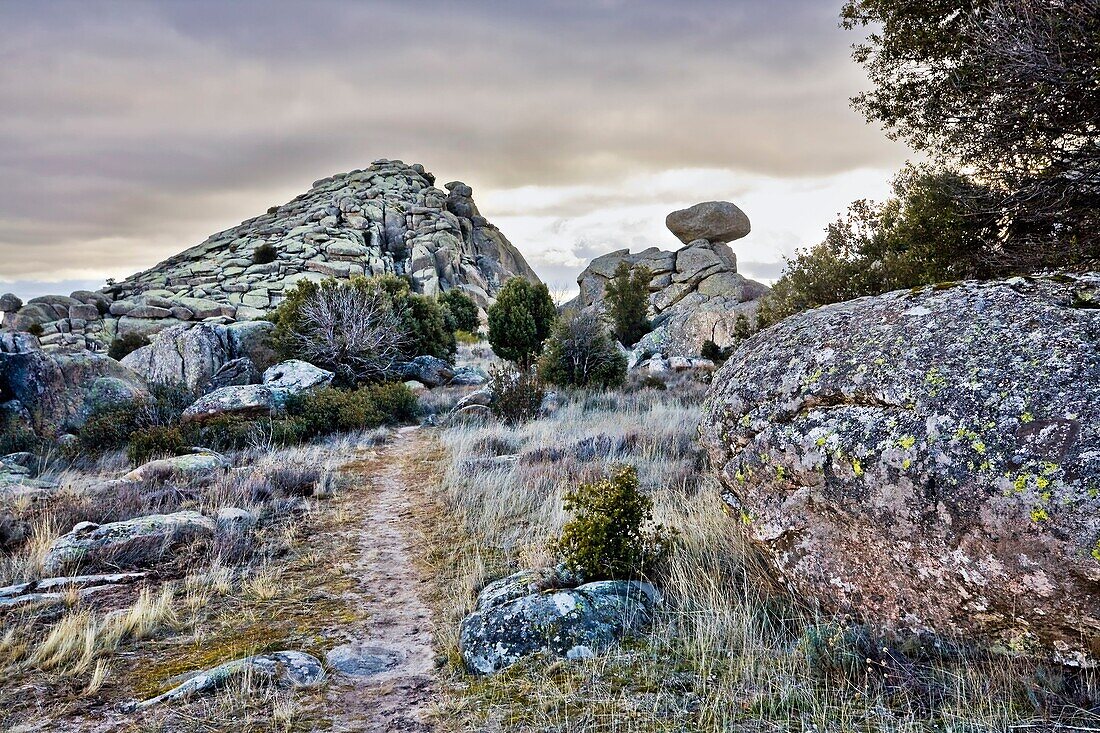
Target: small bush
611	534
461	309
110	425
155	442
837	651
580	353
517	394
36	329
396	402
628	302
264	254
224	432
125	345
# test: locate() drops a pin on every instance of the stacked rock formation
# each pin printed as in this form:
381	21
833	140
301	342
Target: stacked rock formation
389	218
696	293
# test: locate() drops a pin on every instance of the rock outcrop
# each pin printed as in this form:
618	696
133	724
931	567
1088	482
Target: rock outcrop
928	459
696	293
388	218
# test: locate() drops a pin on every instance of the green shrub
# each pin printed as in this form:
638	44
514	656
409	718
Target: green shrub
517	394
462	310
331	410
110	425
837	651
580	353
264	254
426	323
611	534
224	432
467	338
520	321
627	298
15	437
155	442
124	345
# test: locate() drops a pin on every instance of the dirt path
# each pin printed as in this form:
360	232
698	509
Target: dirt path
383	678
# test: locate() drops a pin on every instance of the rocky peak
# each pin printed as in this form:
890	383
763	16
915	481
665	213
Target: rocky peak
386	219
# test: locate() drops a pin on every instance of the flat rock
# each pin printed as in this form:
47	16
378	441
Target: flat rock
249	400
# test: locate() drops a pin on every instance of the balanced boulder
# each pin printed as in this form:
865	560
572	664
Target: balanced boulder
714	221
927	459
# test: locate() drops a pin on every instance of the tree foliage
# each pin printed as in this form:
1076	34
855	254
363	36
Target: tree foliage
461	309
580	353
521	320
935	228
1010	91
627	299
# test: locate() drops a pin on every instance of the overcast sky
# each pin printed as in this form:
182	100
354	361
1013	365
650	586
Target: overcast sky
132	130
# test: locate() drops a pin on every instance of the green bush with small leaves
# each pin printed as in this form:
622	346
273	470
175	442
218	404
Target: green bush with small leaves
15	437
627	299
155	442
611	534
330	410
125	345
110	425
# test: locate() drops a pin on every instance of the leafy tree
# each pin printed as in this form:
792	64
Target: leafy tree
627	298
935	228
521	320
462	310
1006	89
425	322
580	353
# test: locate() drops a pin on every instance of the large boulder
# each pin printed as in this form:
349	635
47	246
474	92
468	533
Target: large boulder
252	340
138	542
293	377
58	391
430	371
928	459
714	221
188	355
248	401
575	623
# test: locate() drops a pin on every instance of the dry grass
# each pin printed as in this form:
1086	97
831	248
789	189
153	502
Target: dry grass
727	652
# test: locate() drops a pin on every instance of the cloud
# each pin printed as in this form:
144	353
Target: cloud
131	130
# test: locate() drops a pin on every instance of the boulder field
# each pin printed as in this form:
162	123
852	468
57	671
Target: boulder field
927	459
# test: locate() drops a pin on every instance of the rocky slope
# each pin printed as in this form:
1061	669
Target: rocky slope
928	459
696	293
388	218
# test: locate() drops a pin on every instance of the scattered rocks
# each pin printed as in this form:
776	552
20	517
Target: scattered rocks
922	460
573	623
714	221
137	542
289	669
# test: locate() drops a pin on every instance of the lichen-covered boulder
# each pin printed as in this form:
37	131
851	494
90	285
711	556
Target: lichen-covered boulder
575	623
58	391
247	400
288	669
293	377
187	354
192	465
233	373
928	459
138	542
